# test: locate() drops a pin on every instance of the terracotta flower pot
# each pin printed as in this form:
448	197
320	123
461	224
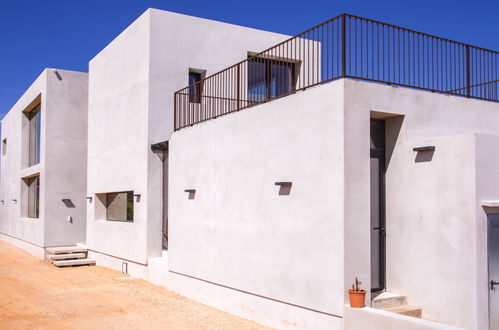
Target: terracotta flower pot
357	298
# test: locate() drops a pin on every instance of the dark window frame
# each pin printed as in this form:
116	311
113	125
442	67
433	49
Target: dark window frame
268	77
195	86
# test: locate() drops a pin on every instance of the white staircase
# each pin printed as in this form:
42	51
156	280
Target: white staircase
64	256
395	303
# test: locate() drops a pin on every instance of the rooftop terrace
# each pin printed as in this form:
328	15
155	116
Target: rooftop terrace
345	46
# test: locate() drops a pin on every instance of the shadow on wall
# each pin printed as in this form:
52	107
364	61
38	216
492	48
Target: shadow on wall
424	156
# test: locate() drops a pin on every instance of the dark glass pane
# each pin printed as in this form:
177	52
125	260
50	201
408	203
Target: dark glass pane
33	197
280	79
257	87
34	136
377	134
194	90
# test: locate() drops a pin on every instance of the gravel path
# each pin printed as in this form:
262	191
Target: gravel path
37	295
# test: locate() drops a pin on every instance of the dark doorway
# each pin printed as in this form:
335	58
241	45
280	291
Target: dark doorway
378	233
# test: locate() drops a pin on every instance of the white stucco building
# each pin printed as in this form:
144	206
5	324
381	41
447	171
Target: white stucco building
131	87
43	164
285	169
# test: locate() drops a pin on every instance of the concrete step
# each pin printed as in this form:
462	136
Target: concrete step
66	249
66	256
74	262
405	310
388	299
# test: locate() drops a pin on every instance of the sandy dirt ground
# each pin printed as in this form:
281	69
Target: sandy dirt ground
34	294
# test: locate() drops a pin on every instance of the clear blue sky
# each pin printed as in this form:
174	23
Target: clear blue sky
66	34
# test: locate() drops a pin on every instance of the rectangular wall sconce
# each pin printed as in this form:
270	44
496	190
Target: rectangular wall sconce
192	193
427	148
137	197
68	203
283	183
89	199
15	201
284	187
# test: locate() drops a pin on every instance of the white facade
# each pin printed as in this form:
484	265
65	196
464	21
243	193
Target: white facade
305	249
62	97
131	88
236	240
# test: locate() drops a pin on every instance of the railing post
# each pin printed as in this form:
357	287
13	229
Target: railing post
174	111
343	46
238	88
468	79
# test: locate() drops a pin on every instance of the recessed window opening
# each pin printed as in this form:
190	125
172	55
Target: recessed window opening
32	202
34	123
196	85
4	147
269	78
119	206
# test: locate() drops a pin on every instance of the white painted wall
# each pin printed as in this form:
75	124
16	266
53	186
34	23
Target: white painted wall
66	157
370	318
238	231
487	188
233	226
432	237
431	228
131	88
62	166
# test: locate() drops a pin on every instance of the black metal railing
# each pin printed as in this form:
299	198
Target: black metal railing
346	46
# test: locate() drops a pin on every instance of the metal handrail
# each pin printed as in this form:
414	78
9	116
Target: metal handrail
346	46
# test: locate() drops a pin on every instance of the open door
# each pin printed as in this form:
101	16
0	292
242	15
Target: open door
377	205
493	260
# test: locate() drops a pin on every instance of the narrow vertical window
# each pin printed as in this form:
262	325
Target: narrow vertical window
195	87
34	117
33	200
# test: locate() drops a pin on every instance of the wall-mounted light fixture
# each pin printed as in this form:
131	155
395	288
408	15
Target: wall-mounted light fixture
137	197
191	192
68	202
89	199
57	74
426	148
424	154
2	202
15	201
284	187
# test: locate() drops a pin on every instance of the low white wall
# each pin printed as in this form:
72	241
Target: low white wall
264	311
238	231
37	251
375	319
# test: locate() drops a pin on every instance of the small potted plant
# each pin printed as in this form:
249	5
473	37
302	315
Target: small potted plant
357	295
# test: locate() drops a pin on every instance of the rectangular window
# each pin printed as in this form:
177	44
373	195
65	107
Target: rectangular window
269	78
119	206
4	147
33	197
195	87
34	117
